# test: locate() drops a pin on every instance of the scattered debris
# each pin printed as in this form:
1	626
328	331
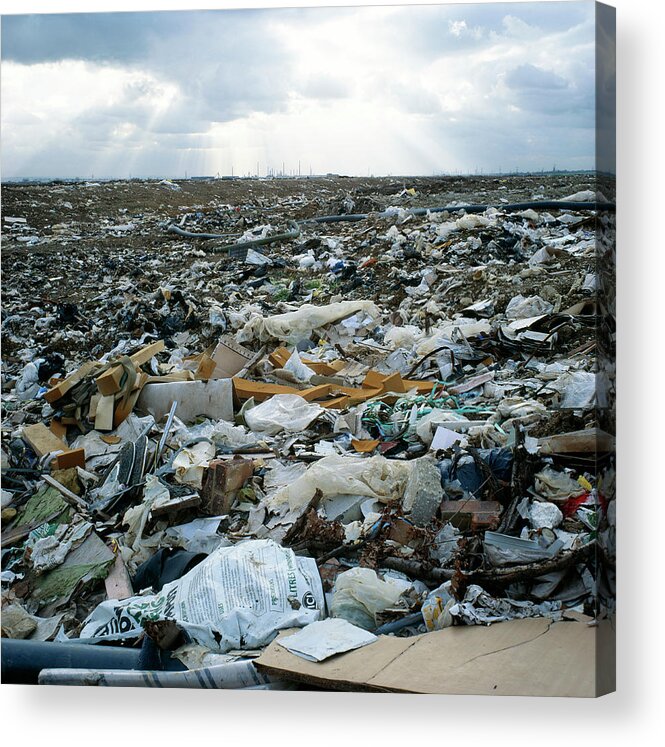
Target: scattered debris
231	410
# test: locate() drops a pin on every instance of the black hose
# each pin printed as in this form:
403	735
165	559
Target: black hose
392	627
236	249
192	235
23	660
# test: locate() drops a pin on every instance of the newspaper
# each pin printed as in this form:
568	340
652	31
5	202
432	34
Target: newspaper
237	598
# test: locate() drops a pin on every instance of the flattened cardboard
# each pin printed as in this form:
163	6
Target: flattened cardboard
521	657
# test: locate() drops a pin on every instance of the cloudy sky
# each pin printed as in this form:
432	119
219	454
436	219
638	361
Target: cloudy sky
380	90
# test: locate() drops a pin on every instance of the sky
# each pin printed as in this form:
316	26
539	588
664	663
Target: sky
401	90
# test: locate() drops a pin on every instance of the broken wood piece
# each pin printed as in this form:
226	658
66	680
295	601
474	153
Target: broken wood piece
58	429
221	482
112	380
125	406
60	389
43	441
118	583
173	376
589	441
244	389
174	505
66	493
279	357
337	403
92	406
206	367
104	413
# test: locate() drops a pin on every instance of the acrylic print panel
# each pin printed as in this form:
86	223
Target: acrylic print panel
308	349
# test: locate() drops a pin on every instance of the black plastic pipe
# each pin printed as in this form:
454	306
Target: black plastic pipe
23	660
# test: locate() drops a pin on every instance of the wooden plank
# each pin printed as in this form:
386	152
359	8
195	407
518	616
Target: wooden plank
58	429
393	383
111	381
315	392
43	441
125	407
59	390
206	368
145	354
244	389
66	493
337	403
104	413
588	441
279	357
71	458
92	407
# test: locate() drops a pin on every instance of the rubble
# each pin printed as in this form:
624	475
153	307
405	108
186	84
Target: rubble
231	410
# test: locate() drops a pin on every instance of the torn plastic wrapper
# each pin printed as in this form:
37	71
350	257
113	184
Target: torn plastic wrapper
376	477
283	412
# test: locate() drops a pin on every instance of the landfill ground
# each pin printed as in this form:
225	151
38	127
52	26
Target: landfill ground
388	433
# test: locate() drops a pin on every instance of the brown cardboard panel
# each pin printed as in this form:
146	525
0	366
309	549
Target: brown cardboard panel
520	657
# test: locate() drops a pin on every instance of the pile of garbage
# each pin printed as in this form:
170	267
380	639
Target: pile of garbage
390	420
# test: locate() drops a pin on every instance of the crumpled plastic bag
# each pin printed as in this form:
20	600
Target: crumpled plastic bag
523	307
27	384
436	608
556	486
403	337
379	478
190	463
577	389
544	515
359	594
283	412
296	325
298	369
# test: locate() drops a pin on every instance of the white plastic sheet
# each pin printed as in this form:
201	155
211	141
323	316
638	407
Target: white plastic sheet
377	477
359	594
294	325
521	307
283	412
